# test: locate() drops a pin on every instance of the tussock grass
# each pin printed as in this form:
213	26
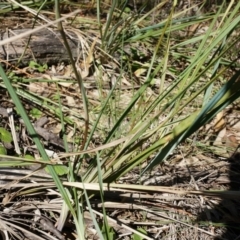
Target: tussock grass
144	85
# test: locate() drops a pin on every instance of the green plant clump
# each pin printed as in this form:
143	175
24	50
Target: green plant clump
158	79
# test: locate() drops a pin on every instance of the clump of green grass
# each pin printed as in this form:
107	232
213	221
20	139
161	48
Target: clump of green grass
174	89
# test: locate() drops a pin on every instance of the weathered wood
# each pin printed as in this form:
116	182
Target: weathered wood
45	46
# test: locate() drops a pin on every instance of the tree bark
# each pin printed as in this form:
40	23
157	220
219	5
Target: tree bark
45	46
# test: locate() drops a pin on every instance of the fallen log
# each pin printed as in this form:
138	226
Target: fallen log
45	46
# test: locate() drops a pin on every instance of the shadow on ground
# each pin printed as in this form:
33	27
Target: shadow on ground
227	211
